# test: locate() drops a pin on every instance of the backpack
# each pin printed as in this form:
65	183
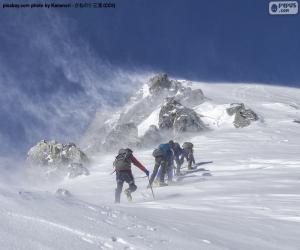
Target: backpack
158	153
177	149
166	150
123	160
187	145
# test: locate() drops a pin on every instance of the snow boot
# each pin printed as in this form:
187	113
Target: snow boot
128	194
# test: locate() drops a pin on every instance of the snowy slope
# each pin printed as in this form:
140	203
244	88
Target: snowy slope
251	201
152	119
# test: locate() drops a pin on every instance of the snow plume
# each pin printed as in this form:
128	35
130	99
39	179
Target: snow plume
51	81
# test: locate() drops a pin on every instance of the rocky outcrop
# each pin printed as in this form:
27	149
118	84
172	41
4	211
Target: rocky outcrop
297	121
119	129
243	116
158	83
123	135
54	155
162	85
174	116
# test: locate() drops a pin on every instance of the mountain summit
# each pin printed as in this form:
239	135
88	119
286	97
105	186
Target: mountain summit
161	109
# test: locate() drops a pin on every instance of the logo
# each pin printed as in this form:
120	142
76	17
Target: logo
283	8
274	7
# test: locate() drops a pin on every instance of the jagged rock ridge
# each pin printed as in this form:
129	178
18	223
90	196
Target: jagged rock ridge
173	115
170	104
54	155
243	116
111	134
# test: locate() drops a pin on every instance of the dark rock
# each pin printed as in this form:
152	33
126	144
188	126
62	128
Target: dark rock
114	239
63	192
174	116
243	116
159	82
295	106
296	121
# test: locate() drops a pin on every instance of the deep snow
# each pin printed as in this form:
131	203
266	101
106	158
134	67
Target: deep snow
251	201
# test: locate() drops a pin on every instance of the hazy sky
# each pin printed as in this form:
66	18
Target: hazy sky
57	67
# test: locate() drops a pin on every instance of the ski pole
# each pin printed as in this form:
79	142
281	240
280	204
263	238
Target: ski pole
151	188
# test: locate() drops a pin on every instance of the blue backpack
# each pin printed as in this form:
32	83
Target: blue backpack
166	149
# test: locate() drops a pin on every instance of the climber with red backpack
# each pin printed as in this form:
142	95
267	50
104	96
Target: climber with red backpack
122	166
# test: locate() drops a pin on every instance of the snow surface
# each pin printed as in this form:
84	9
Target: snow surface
152	119
145	90
215	116
251	201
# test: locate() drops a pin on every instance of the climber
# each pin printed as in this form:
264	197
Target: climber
122	166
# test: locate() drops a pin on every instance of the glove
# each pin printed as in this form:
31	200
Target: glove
147	172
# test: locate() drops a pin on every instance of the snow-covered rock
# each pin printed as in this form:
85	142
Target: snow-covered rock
243	116
54	155
141	112
158	83
174	116
189	111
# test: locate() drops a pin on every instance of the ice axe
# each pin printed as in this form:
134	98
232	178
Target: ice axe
141	177
150	185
